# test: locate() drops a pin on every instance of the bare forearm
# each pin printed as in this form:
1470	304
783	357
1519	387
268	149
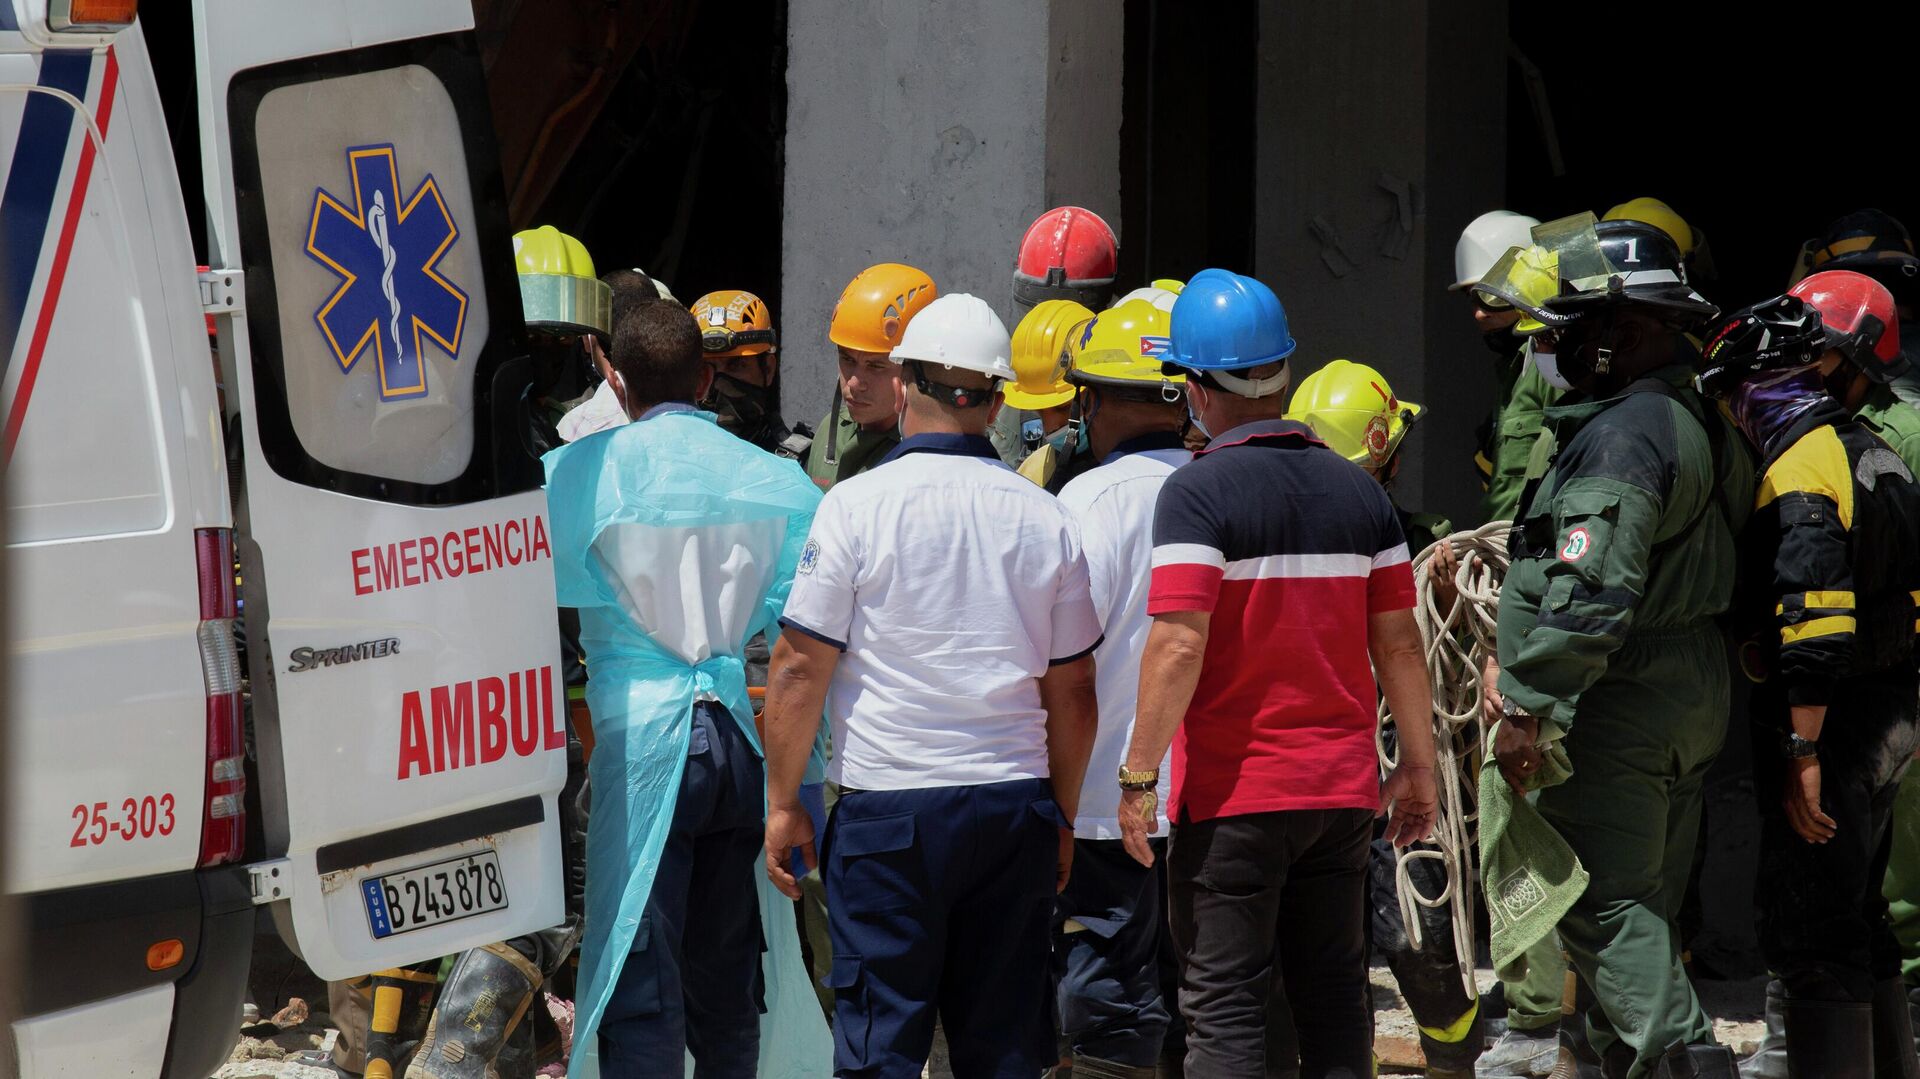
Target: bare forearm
1169	671
1399	665
1073	719
796	693
1808	719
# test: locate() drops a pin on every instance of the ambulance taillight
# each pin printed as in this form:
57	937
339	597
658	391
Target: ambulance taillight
90	16
223	824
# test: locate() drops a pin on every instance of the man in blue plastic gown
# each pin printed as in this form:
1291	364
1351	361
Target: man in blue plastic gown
678	541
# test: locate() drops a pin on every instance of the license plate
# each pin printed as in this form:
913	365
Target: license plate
434	894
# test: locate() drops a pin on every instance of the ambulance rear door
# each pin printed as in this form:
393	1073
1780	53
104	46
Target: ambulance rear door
398	600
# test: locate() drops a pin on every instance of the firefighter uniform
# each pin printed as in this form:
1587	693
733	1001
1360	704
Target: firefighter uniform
1508	435
1836	532
1621	560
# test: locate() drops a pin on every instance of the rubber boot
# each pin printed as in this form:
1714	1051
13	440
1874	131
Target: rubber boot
1086	1067
484	998
1454	1057
1829	1039
399	1010
1769	1058
1574	1058
1893	1049
1524	1054
1696	1062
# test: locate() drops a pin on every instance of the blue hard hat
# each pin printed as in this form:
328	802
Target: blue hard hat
1224	321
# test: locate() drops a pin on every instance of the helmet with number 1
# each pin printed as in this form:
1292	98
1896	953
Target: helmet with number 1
1653	212
1354	411
874	310
559	293
733	323
1038	342
1620	262
1125	347
1068	253
1860	319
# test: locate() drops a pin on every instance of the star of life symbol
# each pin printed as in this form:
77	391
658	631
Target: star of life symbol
391	297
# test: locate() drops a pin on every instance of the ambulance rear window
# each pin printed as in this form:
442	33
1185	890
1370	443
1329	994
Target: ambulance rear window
373	276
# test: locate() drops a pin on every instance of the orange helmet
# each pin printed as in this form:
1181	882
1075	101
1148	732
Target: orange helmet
874	309
733	323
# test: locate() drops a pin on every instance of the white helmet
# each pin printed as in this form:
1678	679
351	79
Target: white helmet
1483	242
1160	294
958	330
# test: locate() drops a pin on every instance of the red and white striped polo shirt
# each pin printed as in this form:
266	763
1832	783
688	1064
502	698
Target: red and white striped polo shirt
1291	548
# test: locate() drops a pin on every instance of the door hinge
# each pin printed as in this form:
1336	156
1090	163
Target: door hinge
271	881
223	292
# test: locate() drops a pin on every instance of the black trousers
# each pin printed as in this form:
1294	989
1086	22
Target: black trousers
1272	900
1822	917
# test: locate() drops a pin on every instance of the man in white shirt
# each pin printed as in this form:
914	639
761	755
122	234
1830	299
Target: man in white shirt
1110	925
941	612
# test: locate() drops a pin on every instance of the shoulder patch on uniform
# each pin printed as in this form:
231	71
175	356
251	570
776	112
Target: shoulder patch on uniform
809	557
1577	545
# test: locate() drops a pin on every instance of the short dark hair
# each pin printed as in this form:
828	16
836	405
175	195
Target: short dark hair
629	288
656	349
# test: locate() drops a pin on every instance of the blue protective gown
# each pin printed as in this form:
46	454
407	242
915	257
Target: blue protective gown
681	474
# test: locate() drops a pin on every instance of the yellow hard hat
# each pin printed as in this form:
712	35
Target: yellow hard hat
558	290
1037	343
1125	346
1653	212
733	323
1353	410
877	304
1524	278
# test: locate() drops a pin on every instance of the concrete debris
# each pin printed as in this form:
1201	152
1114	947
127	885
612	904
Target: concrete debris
294	1014
262	1069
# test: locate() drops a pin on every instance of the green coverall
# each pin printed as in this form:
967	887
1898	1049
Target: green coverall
843	448
1623	558
1899	424
1506	442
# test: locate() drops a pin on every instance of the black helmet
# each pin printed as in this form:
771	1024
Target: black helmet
1777	335
1639	264
1871	242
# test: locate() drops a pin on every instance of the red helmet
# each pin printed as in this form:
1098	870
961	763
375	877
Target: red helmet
1860	318
1067	254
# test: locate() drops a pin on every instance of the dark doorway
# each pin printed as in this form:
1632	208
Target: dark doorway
1757	132
1186	139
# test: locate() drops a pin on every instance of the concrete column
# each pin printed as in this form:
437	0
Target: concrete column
1380	134
932	135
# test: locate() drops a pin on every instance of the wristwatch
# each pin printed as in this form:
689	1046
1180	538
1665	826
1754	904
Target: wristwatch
1139	781
1511	710
1796	748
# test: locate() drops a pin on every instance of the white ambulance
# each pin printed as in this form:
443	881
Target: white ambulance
388	792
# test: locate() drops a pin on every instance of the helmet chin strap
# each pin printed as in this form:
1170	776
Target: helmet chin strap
956	396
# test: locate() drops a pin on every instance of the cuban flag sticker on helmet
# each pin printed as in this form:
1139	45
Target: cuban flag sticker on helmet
1155	347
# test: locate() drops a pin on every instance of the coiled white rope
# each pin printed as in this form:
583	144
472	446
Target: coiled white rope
1458	642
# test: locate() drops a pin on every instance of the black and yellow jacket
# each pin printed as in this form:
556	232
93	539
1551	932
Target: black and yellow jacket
1834	541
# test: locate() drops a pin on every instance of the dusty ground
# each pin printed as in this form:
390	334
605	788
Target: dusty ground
1734	1005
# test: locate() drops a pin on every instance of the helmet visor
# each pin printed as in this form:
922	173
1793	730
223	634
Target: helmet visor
1524	279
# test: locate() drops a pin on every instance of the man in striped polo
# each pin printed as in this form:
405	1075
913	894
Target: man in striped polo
1299	553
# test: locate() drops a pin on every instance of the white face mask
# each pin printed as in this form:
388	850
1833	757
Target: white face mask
1548	364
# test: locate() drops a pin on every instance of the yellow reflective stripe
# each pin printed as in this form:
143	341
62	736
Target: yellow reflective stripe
1819	627
1815	465
1456	1032
1828	600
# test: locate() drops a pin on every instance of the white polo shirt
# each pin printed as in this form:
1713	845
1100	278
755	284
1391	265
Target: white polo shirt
1113	505
951	584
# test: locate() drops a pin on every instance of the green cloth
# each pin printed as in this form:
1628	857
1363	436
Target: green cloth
1898	422
1623	559
1510	432
842	448
1902	885
1531	875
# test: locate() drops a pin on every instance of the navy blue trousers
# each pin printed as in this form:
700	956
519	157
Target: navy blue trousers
939	902
693	980
1107	966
